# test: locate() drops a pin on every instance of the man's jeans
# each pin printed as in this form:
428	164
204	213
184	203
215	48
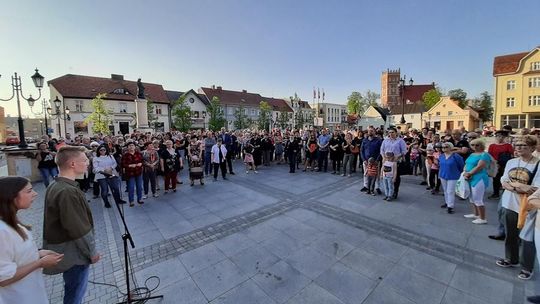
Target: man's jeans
323	160
46	173
75	282
208	163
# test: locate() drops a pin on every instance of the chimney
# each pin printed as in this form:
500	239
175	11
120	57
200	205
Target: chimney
213	87
244	91
117	77
219	88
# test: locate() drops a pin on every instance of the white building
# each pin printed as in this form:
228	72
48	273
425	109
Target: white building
76	93
333	114
198	104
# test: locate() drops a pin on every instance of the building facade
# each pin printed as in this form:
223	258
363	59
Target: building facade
198	104
76	93
334	115
303	114
3	131
517	89
446	115
232	101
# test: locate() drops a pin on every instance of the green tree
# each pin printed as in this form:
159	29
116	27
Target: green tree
356	103
460	96
299	120
371	98
264	116
240	118
484	105
152	116
217	119
283	119
101	117
181	114
431	97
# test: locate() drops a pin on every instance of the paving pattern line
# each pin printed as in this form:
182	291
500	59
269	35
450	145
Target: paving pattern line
462	256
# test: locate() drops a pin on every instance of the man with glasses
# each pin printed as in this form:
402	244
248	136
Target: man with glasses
398	147
461	146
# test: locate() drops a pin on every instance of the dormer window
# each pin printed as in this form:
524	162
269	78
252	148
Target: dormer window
121	91
535	66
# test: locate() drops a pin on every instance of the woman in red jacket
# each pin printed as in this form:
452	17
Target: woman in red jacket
132	163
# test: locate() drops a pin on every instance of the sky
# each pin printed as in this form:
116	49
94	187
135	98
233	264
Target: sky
271	47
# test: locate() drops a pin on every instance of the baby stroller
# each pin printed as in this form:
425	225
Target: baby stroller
195	170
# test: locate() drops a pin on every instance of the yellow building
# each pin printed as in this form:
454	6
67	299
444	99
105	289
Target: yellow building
447	115
517	90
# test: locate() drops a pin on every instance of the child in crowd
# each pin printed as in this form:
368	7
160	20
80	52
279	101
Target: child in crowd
434	181
248	157
389	174
415	157
372	172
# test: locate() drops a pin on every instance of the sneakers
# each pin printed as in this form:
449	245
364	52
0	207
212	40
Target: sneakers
524	275
155	195
385	198
145	196
379	192
255	171
450	210
373	193
479	221
444	206
364	189
247	172
504	263
474	216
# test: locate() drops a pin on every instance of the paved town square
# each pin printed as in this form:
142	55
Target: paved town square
276	237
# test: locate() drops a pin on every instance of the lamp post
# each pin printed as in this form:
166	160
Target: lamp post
17	91
43	112
41	126
401	92
56	113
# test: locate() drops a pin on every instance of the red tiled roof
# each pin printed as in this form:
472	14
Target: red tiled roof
244	98
227	97
507	63
304	104
87	87
415	92
278	104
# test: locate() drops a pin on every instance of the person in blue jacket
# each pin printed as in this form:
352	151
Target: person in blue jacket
450	168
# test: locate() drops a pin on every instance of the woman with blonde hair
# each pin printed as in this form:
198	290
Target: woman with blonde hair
21	263
476	172
450	168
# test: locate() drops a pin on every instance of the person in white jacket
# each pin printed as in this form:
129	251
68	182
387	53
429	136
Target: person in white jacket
219	154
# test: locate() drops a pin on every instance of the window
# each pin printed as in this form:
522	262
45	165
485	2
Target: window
535	66
123	107
78	106
460	123
534	121
253	112
450	113
515	121
534	82
534	100
437	113
195	114
120	91
158	109
246	111
230	110
510	84
510	102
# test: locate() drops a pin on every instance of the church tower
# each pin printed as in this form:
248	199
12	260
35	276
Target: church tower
390	87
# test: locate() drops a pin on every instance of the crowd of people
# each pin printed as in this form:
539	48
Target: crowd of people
148	164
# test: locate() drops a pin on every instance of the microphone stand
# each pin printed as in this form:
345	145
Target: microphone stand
125	238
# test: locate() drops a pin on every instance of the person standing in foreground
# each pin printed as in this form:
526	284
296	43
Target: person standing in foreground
21	279
219	154
68	226
398	147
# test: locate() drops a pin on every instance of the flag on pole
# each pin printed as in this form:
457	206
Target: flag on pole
323	94
318	93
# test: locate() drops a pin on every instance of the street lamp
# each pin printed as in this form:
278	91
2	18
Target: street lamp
58	114
43	112
17	91
41	126
401	92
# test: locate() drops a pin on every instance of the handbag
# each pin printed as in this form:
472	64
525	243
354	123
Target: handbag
463	189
